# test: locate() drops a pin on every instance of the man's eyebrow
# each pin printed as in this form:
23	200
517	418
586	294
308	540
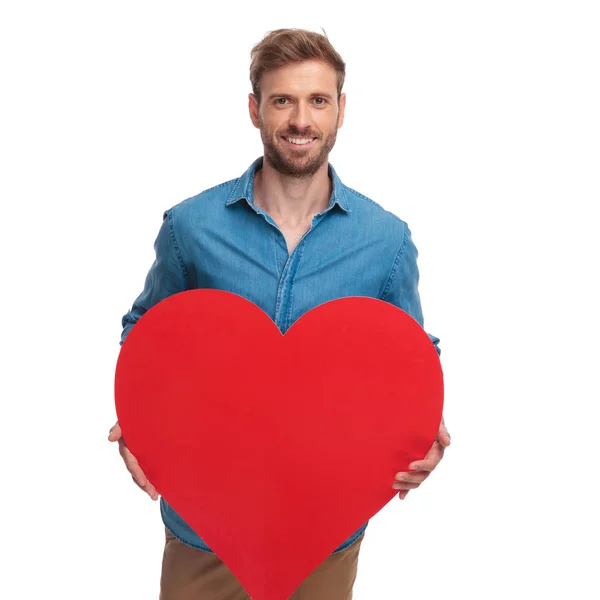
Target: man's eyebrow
313	95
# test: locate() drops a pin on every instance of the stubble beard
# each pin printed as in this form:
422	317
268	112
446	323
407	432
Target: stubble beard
291	165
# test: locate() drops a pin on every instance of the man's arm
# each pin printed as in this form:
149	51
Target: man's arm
402	286
167	275
402	291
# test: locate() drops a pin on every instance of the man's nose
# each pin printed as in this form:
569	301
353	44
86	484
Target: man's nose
300	117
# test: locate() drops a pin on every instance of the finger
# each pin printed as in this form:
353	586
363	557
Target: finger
115	432
136	473
427	465
148	488
430	462
132	464
443	435
405	485
403	494
413	477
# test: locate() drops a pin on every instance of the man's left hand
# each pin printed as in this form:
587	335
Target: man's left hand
421	469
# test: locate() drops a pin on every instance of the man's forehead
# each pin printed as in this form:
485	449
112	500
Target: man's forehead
313	73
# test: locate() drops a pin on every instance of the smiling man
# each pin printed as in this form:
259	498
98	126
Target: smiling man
287	235
298	109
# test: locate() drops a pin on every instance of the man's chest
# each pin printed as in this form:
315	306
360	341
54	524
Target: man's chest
288	271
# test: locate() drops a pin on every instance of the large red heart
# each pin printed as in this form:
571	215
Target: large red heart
273	448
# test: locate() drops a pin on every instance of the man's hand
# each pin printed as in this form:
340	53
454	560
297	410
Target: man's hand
421	469
131	462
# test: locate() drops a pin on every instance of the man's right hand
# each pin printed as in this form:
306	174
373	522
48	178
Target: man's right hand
131	462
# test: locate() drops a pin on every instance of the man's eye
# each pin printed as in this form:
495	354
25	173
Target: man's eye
322	100
280	100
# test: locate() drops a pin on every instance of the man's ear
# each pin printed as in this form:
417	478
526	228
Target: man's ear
253	109
342	104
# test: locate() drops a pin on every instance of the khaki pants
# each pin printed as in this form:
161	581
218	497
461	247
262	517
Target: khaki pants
191	574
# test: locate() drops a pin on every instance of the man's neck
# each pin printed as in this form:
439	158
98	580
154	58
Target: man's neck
289	200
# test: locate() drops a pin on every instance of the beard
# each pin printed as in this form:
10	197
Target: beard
296	163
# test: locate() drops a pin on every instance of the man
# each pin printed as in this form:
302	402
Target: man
287	235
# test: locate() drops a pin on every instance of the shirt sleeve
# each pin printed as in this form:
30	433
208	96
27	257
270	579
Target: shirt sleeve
402	288
166	276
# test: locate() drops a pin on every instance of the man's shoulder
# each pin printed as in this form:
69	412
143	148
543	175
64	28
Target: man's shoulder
373	212
207	201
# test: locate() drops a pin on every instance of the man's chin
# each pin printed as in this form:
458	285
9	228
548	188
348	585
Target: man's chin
299	168
292	164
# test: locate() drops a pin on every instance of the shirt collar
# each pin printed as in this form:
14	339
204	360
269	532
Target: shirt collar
244	187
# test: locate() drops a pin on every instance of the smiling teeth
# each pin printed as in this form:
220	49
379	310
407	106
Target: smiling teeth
299	141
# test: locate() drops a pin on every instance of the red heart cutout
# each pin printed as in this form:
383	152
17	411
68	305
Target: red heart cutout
276	448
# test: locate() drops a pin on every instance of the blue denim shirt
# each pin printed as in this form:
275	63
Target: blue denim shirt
220	239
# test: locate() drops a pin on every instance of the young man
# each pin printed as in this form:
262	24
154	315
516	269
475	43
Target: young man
287	235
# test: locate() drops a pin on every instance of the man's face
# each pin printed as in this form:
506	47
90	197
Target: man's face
298	116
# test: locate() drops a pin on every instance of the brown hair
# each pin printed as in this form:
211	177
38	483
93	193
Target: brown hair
284	46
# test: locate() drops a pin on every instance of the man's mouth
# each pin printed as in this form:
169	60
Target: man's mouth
299	141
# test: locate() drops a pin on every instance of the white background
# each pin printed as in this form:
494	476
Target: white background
476	122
